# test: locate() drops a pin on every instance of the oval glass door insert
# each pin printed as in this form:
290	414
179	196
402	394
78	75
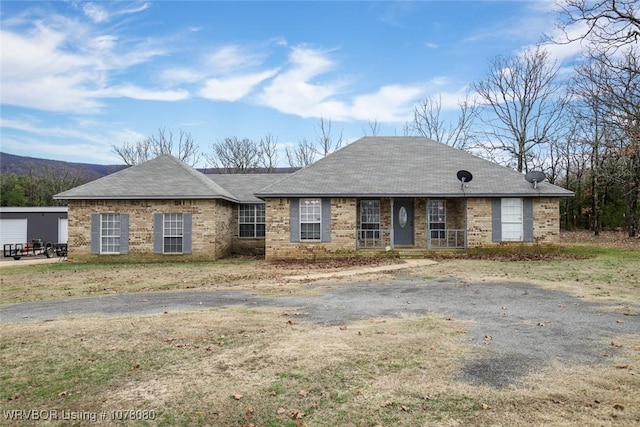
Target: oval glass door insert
402	217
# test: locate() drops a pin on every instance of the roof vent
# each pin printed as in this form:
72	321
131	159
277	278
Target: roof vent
535	177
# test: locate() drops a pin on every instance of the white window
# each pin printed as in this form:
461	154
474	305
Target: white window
370	219
110	233
251	221
512	215
437	216
173	233
310	219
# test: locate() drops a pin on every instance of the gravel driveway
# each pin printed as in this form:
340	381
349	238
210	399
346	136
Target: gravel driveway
516	326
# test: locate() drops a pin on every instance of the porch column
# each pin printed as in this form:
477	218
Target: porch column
391	236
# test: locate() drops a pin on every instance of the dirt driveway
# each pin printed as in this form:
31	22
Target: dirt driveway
517	327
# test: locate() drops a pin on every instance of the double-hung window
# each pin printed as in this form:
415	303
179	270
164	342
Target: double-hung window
110	233
251	220
436	212
370	220
512	219
173	233
310	219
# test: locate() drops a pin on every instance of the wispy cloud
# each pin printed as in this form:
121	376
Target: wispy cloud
233	88
56	63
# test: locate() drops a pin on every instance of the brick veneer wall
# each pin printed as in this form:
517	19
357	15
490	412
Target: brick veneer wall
211	235
546	221
546	214
343	231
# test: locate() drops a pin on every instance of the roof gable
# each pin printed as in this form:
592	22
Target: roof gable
164	177
405	166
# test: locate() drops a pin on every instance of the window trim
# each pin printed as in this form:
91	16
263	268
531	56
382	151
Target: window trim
165	236
254	220
440	232
316	204
376	224
505	214
117	219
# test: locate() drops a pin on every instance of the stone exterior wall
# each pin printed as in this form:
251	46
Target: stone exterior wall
343	232
211	236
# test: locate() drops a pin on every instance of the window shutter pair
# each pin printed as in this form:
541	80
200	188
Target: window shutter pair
95	233
158	233
294	220
496	220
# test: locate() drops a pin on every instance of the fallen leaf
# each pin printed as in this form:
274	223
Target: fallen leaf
386	404
343	328
237	396
303	393
485	406
405	408
135	367
272	393
615	344
297	415
619	321
281	411
618	407
621	366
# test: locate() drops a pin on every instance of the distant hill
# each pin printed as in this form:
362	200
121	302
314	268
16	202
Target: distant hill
21	165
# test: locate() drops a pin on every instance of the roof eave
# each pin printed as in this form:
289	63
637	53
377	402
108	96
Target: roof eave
174	197
409	195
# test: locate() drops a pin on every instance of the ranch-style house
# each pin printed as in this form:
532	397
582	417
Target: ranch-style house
373	195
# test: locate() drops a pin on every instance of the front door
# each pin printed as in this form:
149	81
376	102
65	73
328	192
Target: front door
403	222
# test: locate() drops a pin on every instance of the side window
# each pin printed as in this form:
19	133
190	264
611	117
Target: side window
109	233
512	219
251	221
437	218
310	219
370	220
173	232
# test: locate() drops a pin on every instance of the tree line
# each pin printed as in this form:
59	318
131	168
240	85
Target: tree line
581	128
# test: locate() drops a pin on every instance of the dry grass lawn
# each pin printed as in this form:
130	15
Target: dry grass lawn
267	367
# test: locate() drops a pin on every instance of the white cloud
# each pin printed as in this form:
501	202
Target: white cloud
55	63
292	91
136	92
233	88
95	12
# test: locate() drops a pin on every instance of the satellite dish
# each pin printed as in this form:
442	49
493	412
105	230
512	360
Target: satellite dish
464	177
535	177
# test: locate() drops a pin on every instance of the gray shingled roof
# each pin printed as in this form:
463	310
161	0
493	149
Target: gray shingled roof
244	186
164	177
405	167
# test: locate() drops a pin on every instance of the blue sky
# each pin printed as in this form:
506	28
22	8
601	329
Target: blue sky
78	77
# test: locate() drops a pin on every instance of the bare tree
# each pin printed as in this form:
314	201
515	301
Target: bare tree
325	142
374	129
301	155
609	24
304	152
269	153
523	105
428	122
158	145
235	155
